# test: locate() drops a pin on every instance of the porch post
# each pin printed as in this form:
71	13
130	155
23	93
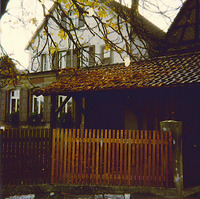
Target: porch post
53	117
176	128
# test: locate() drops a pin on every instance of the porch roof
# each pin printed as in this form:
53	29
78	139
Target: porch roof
166	71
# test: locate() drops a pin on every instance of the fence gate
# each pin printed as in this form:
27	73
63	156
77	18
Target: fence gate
112	157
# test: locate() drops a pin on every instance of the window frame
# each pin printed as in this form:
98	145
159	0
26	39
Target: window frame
16	98
65	108
106	59
86	54
62	59
39	100
77	21
44	65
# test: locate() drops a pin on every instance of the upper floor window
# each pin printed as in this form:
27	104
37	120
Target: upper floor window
38	104
106	55
72	21
88	56
14	101
44	63
68	58
62	56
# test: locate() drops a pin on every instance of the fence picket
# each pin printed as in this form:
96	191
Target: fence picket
77	155
53	156
105	156
162	160
121	157
166	159
170	160
145	158
93	157
154	159
157	159
61	156
117	159
137	157
141	158
149	160
82	156
113	166
97	158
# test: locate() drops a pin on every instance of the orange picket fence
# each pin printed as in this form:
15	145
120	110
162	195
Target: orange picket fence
112	157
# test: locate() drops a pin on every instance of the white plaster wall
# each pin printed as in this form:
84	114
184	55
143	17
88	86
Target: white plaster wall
88	39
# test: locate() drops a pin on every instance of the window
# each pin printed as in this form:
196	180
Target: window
106	55
67	106
88	56
38	104
75	20
14	101
62	59
68	58
44	63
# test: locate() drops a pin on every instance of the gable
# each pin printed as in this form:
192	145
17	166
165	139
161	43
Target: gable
184	33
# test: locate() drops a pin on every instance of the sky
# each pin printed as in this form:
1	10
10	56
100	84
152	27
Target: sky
14	35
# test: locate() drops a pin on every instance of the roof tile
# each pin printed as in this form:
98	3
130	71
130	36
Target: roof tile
179	70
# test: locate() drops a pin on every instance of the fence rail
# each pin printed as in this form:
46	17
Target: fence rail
26	156
112	157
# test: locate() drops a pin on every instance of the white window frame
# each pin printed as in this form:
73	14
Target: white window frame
40	103
14	100
44	62
61	99
62	59
106	55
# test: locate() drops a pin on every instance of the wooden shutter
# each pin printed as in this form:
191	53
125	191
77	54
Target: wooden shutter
23	106
75	58
2	105
92	55
47	108
55	60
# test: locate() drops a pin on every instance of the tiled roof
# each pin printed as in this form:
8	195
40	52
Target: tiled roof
171	71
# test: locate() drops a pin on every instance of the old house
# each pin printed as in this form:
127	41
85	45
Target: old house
136	97
21	106
147	92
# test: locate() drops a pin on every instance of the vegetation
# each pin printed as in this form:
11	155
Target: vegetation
8	71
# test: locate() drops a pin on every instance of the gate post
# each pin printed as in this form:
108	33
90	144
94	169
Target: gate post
176	128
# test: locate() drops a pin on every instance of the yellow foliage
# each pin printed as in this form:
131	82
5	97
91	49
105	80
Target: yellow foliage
62	34
107	47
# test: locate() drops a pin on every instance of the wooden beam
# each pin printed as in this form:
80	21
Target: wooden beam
63	104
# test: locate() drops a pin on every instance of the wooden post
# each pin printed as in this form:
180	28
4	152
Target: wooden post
53	113
176	128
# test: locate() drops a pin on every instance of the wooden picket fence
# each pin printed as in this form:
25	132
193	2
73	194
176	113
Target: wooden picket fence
112	157
26	156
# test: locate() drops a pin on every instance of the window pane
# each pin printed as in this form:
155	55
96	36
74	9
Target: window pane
14	101
35	105
13	105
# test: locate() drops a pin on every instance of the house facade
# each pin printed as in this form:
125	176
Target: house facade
20	107
147	92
